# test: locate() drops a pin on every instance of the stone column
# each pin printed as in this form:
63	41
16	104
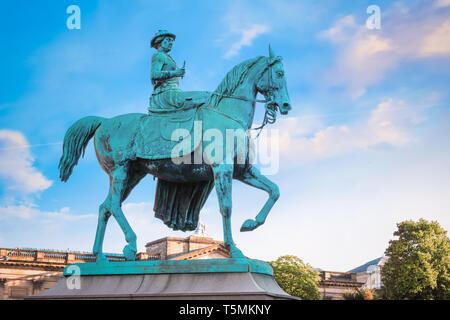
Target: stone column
39	256
70	258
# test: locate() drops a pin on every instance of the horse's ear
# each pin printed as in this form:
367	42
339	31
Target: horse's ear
271	53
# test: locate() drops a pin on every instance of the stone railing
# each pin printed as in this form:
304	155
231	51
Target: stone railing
63	258
18	254
148	256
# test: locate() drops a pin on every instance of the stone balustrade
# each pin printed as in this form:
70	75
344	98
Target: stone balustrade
63	258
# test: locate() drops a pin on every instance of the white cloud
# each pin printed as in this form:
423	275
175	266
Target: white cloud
32	211
340	30
16	164
29	225
243	22
20	211
389	123
442	3
365	56
438	42
247	36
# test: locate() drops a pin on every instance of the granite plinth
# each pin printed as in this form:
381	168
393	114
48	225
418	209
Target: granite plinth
231	280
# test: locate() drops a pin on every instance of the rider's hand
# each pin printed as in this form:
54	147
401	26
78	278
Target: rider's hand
180	72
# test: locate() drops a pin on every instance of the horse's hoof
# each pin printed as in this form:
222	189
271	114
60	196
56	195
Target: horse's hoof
129	252
249	225
235	253
101	258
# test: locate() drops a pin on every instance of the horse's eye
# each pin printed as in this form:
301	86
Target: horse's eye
280	74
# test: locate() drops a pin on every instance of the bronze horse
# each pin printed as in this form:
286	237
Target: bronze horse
182	188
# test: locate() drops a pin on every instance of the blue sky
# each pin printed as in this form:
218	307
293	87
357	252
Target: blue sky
365	147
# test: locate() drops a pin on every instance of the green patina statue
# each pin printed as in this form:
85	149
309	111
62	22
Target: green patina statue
165	74
130	146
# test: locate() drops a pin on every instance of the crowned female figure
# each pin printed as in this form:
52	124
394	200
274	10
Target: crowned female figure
165	75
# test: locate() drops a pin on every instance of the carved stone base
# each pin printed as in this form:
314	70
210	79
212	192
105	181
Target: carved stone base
187	286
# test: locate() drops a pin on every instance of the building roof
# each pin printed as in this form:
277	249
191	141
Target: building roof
194	254
363	268
192	238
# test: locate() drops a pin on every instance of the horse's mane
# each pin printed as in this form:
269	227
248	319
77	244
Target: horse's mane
233	79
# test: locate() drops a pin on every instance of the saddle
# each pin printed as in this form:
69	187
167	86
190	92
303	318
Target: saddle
179	124
161	132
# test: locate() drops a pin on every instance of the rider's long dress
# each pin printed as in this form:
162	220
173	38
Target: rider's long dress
177	204
167	95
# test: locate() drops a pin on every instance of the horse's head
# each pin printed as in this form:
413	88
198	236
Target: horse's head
272	84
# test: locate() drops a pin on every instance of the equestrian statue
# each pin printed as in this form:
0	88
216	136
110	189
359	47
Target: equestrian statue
130	146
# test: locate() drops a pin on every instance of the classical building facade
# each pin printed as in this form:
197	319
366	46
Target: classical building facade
370	273
192	247
24	272
334	284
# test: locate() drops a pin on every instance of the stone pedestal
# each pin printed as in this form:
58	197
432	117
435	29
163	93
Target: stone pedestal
224	279
212	286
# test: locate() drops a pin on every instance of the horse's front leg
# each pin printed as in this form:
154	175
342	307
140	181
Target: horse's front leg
223	179
254	178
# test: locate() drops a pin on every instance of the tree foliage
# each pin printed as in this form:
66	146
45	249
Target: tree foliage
296	277
418	265
359	294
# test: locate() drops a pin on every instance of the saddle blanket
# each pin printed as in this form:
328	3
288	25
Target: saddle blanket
160	134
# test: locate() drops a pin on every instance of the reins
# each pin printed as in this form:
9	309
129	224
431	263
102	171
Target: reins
270	116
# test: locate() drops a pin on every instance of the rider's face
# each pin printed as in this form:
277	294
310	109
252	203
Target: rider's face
166	44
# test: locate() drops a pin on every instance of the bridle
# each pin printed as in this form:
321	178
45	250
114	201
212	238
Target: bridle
270	116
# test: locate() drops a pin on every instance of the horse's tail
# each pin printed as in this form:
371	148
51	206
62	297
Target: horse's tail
75	142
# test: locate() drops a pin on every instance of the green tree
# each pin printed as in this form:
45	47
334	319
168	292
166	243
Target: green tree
419	263
296	277
359	294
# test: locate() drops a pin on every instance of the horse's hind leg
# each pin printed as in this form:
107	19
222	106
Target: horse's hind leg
103	217
223	178
112	205
118	185
254	178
